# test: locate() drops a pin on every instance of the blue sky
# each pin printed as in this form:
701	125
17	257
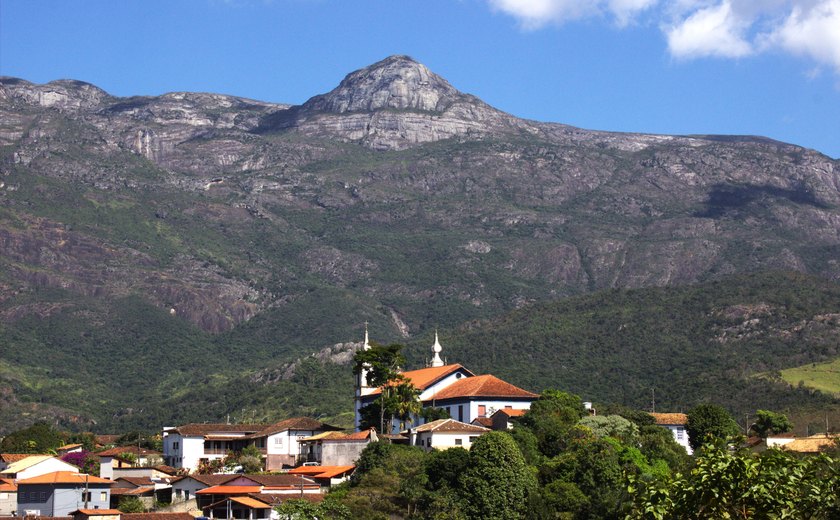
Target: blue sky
762	67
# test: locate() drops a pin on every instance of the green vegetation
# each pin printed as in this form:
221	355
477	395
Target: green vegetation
824	377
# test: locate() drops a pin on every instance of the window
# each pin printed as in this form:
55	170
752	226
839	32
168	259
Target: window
103	496
175	445
42	496
85	496
459	442
482	410
186	494
680	433
429	442
461	412
278	441
22	496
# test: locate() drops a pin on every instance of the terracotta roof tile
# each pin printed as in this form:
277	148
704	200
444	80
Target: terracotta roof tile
295	423
323	471
426	377
482	386
8	485
196	429
253	503
156	516
136	481
450	425
483	421
65	477
812	444
134	450
98	512
274	480
10	458
670	418
208	480
229	490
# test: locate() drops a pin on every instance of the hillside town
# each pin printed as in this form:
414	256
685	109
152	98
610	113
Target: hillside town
247	471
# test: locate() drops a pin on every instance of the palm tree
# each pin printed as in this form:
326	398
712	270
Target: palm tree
406	402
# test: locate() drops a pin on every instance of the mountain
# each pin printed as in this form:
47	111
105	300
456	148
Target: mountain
167	245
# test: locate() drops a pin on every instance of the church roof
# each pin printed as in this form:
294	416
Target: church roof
426	377
482	386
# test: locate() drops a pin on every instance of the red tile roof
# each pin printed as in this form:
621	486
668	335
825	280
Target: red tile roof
134	450
450	425
156	516
196	429
321	471
8	485
670	418
209	480
98	512
274	480
426	377
483	421
135	481
482	386
229	490
15	457
65	477
295	423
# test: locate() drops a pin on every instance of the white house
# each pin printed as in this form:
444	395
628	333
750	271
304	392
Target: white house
445	433
675	423
35	466
8	497
464	395
189	445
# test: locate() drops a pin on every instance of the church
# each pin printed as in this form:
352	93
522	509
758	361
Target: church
463	394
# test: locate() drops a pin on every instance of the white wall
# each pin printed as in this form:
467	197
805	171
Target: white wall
47	466
444	440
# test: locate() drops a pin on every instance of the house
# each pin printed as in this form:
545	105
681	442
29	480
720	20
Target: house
334	448
326	476
8	497
68	448
185	488
96	514
6	459
463	394
125	457
503	419
813	444
187	446
143	488
35	465
62	492
445	433
675	423
252	496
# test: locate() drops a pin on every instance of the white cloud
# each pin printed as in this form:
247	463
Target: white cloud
533	14
812	31
710	31
707	28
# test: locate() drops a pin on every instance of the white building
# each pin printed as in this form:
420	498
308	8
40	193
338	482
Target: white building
464	395
445	433
35	466
189	445
675	423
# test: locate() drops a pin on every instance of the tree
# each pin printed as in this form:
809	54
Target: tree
300	509
742	484
381	364
41	437
770	423
250	459
710	421
407	403
86	461
614	426
497	482
129	504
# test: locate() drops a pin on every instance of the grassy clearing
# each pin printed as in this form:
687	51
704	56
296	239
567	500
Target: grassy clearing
820	376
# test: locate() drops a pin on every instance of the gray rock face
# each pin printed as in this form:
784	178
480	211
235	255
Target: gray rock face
221	207
397	82
397	103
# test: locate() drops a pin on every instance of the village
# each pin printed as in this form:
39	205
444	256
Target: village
197	474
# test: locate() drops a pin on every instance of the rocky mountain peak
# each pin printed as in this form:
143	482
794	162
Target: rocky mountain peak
397	82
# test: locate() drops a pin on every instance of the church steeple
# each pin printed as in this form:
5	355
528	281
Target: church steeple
436	349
